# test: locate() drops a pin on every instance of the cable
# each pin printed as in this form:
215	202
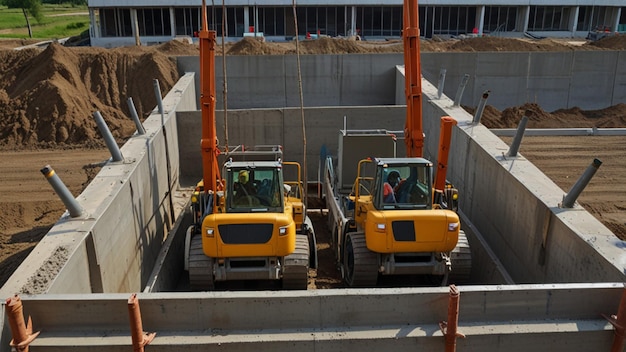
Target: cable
225	85
304	168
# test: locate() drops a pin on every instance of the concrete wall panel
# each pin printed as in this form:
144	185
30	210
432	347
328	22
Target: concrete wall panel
516	208
593	78
114	244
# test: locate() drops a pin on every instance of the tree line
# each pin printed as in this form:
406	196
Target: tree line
33	8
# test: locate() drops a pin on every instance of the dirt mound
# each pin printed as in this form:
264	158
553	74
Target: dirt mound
617	42
254	46
611	117
47	98
505	44
332	46
177	47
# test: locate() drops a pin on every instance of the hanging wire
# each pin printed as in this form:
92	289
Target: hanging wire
304	168
225	86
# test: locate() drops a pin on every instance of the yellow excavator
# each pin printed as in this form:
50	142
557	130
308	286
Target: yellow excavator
393	216
248	222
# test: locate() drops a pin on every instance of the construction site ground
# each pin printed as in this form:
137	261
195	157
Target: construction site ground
48	96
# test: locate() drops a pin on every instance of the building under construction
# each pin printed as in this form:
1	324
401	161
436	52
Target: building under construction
118	23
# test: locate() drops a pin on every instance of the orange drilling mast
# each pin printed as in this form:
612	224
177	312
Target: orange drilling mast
396	218
248	222
210	151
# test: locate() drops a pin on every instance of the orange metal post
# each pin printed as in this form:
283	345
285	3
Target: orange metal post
22	332
140	339
413	130
619	323
208	142
445	138
449	328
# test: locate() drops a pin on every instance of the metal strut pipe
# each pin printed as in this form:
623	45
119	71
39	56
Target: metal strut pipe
460	90
517	140
135	117
441	82
139	337
61	190
21	331
579	186
481	107
449	328
116	154
159	98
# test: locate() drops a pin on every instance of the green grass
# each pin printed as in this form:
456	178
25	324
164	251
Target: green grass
53	26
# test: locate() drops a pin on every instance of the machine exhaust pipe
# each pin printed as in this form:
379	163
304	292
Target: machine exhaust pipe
579	186
59	187
116	154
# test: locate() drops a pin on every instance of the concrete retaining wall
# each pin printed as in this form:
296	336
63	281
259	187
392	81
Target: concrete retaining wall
516	207
284	127
113	246
496	318
554	80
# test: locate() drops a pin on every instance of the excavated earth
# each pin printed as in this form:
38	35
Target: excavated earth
48	96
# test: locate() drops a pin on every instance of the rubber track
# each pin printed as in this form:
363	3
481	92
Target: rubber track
365	262
200	267
296	266
461	258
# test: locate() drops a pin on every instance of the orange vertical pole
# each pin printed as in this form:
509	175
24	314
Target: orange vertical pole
22	332
449	328
208	142
619	323
139	338
413	130
445	138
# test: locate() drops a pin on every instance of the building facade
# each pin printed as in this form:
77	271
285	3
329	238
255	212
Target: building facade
119	23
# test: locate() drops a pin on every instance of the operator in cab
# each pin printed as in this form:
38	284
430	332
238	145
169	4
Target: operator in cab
243	188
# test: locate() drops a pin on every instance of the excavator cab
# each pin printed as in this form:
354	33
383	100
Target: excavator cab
404	185
254	187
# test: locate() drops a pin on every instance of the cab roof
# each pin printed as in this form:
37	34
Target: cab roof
402	161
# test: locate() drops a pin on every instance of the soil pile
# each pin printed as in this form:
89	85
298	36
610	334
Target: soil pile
254	46
47	98
611	117
617	42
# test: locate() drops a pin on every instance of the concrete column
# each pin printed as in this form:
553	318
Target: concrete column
524	15
94	31
573	19
480	19
172	22
246	18
615	13
135	26
353	20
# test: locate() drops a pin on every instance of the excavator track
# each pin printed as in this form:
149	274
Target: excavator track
200	267
360	267
461	258
296	266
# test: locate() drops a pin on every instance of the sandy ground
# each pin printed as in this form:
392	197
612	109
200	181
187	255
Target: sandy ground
92	78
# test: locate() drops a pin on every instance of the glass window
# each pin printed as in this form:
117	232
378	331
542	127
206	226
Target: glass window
154	22
115	23
187	20
405	187
548	18
255	189
500	19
